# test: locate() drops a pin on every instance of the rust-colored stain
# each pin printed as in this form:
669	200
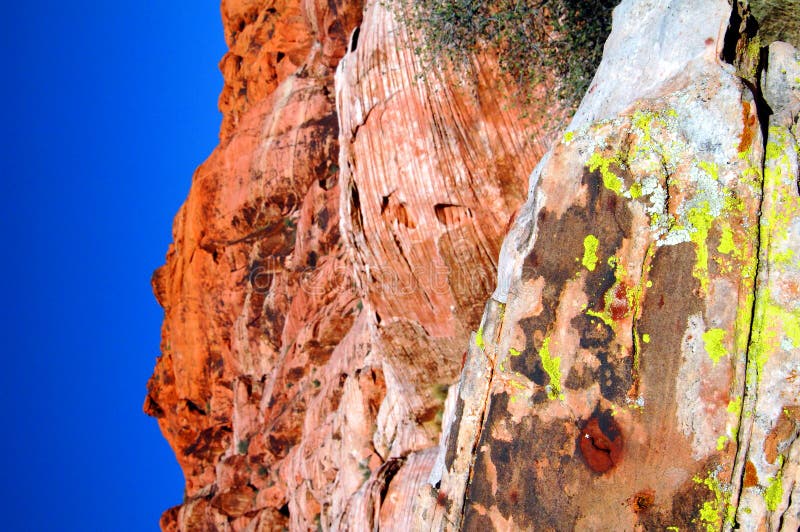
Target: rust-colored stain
709	41
441	498
642	500
750	475
601	443
781	432
618	307
749	122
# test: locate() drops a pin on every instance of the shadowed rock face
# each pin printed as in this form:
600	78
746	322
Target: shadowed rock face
636	364
332	255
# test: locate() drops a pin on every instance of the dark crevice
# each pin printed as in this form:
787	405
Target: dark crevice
740	35
742	28
763	110
355	210
390	469
731	38
192	407
788	507
354	39
450	213
284	510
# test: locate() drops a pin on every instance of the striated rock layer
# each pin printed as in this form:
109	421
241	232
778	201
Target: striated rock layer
333	254
636	365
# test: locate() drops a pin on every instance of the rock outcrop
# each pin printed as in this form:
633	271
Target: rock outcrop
333	255
636	360
637	366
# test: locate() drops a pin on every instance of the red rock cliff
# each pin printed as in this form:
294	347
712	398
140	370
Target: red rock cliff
636	365
332	256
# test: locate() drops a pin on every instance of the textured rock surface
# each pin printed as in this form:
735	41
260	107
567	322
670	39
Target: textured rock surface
306	357
637	364
637	367
247	323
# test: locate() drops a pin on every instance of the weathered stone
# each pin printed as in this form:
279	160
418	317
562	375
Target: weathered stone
769	435
636	366
643	355
303	352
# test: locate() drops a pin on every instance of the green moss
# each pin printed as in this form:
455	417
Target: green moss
721	441
552	366
590	244
744	315
753	53
646	338
637	349
568	136
513	352
243	446
712	339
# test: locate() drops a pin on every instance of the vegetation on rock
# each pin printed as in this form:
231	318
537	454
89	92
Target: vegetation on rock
558	42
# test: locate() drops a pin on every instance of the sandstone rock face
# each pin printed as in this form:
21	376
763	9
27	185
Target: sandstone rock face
636	359
332	256
637	367
253	303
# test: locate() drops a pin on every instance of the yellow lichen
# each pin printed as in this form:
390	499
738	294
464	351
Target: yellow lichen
479	338
735	405
773	323
610	180
590	244
714	511
552	366
773	495
726	241
712	339
701	220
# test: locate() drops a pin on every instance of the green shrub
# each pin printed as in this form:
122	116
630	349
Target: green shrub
536	41
243	446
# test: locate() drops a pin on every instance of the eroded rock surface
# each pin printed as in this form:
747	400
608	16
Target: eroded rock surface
635	362
638	364
305	355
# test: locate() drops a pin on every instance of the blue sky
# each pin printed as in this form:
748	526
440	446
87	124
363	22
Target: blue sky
108	109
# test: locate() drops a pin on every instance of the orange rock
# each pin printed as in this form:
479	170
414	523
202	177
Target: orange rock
298	361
